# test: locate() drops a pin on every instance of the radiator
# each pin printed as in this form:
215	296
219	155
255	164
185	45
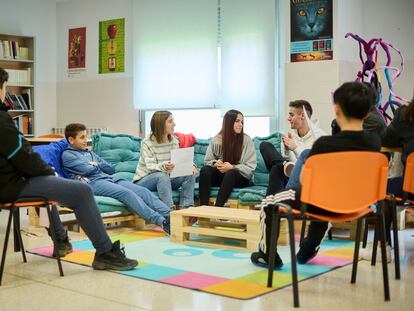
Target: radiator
90	131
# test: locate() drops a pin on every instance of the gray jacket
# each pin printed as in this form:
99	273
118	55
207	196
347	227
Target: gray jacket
248	161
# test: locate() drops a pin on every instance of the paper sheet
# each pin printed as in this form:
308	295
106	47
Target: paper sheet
182	159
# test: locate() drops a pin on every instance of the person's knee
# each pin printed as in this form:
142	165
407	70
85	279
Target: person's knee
265	146
206	170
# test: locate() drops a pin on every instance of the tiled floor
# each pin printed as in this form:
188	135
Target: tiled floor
37	286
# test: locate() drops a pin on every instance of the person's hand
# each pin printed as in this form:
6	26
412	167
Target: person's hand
195	172
225	167
93	163
289	142
169	166
218	163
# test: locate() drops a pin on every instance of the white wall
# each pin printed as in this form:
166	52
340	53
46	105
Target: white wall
314	81
36	18
98	100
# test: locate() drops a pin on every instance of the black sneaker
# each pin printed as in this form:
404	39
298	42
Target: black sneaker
166	225
115	259
262	260
61	247
306	253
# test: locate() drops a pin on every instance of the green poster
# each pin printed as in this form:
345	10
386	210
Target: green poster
112	46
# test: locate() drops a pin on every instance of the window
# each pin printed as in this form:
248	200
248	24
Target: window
205	54
205	123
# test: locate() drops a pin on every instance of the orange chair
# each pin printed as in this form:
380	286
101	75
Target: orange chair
408	188
343	186
13	208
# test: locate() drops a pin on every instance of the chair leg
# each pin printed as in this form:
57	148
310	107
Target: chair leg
293	261
6	241
330	234
272	250
396	242
375	243
365	238
18	234
356	251
302	230
384	254
16	224
53	235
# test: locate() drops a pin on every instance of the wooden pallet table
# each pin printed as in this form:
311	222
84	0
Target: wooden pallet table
243	226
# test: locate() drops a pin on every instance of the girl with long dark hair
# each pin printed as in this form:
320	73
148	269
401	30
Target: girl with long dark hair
230	160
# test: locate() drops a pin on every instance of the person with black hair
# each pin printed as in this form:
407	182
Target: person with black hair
230	160
24	174
352	101
373	122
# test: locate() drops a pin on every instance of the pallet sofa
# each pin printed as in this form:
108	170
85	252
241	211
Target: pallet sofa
123	152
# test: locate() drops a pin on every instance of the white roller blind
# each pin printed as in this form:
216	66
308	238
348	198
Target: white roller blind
175	54
248	32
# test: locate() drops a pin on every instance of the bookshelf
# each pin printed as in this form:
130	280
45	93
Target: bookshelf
17	58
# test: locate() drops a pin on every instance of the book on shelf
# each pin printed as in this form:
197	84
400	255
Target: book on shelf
27	97
20	76
23	123
24	52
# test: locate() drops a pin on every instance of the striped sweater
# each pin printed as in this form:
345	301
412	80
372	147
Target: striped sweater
153	157
247	163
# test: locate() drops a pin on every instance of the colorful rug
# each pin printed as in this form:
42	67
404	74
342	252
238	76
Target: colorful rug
211	270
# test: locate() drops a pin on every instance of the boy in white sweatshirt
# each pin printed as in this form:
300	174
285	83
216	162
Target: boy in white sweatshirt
303	135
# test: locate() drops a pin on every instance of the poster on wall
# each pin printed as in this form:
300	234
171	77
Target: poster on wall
112	46
311	30
77	49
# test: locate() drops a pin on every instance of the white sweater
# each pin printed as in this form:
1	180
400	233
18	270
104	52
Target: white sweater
302	143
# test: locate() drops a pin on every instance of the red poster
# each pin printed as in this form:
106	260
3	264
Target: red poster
77	48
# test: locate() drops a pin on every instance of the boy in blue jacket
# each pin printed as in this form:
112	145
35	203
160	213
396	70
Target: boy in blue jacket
24	174
79	163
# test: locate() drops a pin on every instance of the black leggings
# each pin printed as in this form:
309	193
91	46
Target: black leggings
212	177
274	164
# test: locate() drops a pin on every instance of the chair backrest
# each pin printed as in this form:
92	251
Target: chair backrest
408	185
51	136
344	182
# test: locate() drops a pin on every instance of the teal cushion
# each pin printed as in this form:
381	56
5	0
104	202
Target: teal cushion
121	150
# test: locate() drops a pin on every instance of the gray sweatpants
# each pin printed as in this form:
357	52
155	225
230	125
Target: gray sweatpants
76	196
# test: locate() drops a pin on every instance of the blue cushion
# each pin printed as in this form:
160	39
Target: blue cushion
51	154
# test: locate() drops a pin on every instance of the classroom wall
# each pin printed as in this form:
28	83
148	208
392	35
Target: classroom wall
22	17
314	81
98	100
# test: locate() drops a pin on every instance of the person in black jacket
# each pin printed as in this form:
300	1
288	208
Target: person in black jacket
24	174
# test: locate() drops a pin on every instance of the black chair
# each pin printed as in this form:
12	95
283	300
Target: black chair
14	209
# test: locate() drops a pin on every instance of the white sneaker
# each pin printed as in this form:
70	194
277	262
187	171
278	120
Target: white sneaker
366	253
288	168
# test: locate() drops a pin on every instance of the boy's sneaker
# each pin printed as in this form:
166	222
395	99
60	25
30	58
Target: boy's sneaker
366	253
306	253
262	260
115	259
166	225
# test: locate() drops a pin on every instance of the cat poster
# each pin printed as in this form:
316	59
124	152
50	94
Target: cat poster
311	30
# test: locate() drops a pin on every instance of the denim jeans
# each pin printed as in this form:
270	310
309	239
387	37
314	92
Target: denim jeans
164	185
137	198
294	179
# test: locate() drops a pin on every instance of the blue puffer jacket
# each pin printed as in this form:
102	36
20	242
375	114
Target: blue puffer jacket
76	164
